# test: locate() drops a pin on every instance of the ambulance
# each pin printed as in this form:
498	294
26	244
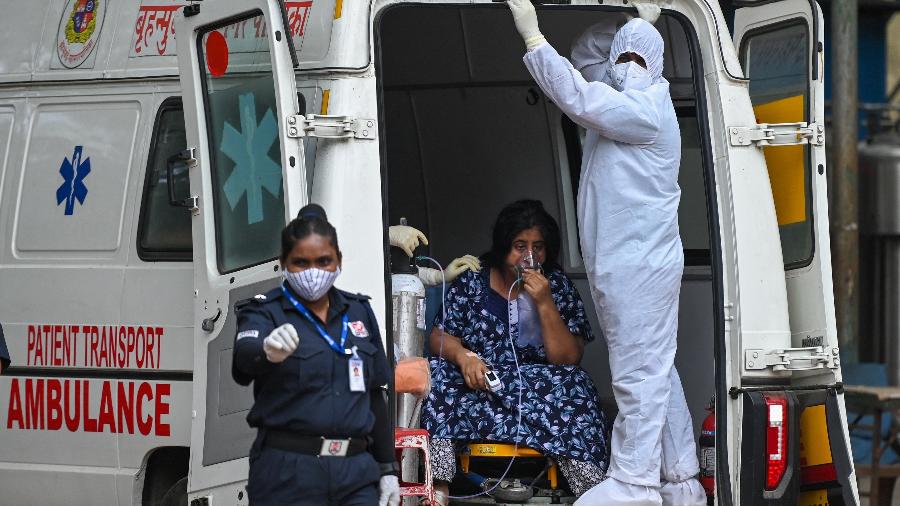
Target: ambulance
152	150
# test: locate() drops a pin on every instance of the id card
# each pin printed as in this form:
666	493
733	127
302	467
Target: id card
357	375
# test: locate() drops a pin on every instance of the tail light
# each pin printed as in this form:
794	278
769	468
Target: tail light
776	439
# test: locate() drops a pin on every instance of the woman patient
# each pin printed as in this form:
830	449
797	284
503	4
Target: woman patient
560	411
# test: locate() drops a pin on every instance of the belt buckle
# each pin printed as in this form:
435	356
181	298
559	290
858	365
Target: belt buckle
334	447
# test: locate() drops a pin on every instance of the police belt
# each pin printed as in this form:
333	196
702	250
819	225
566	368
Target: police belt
318	446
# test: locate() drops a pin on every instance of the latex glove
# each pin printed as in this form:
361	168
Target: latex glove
389	491
525	18
647	11
432	277
281	343
406	238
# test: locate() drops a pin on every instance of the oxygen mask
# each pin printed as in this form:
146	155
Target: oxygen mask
526	263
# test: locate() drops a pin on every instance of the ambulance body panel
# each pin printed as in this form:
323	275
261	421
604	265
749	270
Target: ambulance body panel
107	289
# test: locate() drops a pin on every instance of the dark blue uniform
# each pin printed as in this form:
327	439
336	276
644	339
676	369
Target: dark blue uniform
4	353
309	395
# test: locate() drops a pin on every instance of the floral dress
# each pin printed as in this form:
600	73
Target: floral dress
560	410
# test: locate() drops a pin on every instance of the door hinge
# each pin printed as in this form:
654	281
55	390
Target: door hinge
793	359
331	127
778	134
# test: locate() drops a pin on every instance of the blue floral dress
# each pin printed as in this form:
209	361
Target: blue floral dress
561	413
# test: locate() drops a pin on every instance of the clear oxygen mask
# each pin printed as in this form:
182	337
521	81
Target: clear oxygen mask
527	262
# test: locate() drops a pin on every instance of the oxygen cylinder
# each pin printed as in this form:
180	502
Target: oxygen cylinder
408	301
708	450
408	316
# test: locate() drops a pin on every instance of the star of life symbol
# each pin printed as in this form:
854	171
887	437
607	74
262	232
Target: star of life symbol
249	150
73	187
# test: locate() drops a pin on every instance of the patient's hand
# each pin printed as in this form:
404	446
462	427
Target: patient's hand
473	369
538	287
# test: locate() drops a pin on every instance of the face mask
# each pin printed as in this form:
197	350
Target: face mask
311	284
629	76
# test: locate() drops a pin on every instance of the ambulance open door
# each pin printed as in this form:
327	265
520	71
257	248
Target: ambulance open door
781	49
247	180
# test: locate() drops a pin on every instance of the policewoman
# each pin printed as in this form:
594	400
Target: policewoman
317	364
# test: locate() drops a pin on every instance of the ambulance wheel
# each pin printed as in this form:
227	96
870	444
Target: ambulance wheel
176	495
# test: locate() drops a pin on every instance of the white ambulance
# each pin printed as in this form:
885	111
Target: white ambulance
144	180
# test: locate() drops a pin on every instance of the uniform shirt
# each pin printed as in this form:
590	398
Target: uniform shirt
4	353
309	393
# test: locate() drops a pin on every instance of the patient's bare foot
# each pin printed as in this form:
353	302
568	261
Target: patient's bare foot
441	495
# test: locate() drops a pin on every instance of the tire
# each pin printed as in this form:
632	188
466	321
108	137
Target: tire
176	495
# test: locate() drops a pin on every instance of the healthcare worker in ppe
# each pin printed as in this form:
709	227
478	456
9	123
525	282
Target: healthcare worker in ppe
409	238
628	219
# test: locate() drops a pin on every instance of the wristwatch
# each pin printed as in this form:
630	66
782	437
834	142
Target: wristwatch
385	468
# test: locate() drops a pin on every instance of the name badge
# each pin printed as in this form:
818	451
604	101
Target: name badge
357	375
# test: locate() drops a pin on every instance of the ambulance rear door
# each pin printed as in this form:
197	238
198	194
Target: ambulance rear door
246	164
781	49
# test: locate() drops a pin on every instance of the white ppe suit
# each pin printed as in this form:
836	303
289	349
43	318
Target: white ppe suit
628	218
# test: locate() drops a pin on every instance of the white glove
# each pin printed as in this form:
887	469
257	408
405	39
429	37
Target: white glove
525	18
281	343
406	238
647	11
389	490
432	277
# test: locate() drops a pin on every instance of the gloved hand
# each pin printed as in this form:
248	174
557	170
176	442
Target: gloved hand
648	11
389	491
525	18
281	343
406	238
432	277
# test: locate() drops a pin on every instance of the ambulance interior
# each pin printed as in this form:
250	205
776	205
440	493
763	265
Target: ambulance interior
466	131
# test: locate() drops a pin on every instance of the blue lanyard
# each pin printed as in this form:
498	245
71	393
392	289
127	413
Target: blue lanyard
340	348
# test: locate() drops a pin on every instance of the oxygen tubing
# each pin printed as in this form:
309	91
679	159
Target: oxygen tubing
515	359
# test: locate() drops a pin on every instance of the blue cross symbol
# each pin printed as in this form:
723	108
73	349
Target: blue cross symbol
73	188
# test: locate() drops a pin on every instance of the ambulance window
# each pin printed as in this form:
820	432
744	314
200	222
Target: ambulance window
245	151
776	60
165	231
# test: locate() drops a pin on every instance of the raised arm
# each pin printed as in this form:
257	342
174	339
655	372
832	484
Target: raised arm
561	345
620	116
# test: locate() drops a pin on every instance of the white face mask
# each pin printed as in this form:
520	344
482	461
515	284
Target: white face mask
629	76
311	284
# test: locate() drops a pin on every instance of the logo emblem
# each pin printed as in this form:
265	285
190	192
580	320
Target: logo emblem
79	30
254	169
335	447
358	329
73	187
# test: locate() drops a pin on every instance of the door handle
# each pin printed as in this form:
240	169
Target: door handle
210	323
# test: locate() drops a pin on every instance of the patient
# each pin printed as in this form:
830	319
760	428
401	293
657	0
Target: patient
561	414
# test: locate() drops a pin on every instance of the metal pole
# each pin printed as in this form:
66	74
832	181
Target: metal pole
845	127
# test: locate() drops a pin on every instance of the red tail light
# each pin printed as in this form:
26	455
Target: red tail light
776	439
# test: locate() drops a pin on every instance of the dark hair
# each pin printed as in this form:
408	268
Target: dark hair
310	220
512	220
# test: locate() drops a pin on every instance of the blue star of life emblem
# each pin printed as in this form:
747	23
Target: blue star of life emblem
253	170
73	188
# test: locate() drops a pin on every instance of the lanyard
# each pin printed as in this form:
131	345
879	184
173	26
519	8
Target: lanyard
339	348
